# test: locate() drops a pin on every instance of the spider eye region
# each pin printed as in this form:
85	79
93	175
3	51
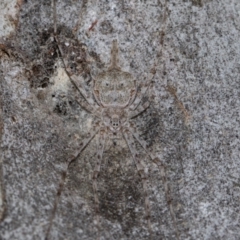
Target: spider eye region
115	121
107	84
114	118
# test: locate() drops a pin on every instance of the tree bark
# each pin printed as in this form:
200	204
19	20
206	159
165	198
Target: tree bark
192	123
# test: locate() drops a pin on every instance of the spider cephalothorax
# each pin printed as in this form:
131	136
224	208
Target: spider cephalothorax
114	118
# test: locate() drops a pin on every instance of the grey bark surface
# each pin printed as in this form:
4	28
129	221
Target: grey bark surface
192	123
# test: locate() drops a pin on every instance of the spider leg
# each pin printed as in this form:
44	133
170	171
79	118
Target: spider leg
141	108
87	104
101	144
140	168
83	145
87	107
162	170
82	90
140	94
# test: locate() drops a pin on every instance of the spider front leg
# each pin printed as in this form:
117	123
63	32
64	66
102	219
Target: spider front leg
130	142
74	157
162	170
101	144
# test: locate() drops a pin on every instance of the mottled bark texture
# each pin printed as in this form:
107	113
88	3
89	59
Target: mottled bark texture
192	124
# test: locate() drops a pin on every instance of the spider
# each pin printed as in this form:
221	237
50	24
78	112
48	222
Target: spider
116	102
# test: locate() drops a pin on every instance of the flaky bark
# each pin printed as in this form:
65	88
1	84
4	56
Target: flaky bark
192	123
